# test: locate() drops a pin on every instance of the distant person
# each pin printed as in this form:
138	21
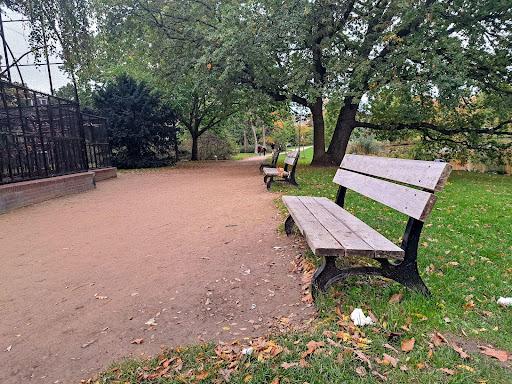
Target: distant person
264	150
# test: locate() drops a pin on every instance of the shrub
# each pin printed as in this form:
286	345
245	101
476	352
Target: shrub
140	126
211	144
365	145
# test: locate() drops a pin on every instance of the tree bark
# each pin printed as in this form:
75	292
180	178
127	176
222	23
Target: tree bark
195	154
263	138
344	126
318	133
255	137
246	142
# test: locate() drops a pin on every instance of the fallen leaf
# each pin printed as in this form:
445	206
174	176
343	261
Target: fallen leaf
363	358
396	298
201	375
247	378
460	351
379	375
286	365
390	360
466	367
312	347
407	345
8	349
448	371
437	339
361	371
275	381
137	341
390	347
496	353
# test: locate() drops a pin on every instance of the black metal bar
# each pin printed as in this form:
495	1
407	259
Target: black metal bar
40	129
8	118
4	43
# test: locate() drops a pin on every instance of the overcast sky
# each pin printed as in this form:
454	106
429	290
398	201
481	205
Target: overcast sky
16	35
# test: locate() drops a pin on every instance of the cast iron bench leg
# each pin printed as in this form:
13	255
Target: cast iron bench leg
288	225
405	273
269	182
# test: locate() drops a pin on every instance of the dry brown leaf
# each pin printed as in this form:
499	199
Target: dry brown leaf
460	351
137	341
437	339
496	353
388	346
361	371
379	375
396	298
363	358
312	347
275	381
201	375
448	371
390	360
407	345
286	365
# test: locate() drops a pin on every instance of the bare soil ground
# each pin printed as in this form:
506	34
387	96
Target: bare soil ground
195	248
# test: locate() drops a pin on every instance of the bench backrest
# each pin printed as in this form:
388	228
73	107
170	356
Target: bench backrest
275	156
377	178
291	158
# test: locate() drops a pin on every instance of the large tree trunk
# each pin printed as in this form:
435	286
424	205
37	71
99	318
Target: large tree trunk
318	133
263	136
255	136
344	126
246	142
195	154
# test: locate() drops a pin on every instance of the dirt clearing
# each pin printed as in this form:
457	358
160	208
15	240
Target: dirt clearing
169	256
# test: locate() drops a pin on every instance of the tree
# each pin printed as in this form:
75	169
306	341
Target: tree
309	51
61	27
140	37
141	129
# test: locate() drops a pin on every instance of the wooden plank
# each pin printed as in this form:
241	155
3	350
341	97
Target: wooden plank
353	244
270	171
412	202
290	157
318	238
382	246
430	175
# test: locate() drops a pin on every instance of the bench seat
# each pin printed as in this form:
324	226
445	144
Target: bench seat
332	231
268	171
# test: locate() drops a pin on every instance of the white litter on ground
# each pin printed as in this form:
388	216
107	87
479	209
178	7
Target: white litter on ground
505	301
359	318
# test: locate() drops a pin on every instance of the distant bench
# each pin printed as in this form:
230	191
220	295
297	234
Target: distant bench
273	162
288	175
331	231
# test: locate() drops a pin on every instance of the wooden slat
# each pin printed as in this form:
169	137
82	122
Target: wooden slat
412	202
382	246
290	158
318	238
348	239
270	171
430	175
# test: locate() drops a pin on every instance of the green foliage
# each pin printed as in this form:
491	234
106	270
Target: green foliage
140	127
365	145
214	146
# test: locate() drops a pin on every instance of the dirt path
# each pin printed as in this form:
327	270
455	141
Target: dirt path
195	248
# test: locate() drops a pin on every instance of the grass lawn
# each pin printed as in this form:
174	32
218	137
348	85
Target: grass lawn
465	259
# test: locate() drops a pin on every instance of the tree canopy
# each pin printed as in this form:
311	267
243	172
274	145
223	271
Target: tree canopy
438	68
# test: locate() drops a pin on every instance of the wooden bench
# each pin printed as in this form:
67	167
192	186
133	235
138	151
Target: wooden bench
407	186
273	163
288	176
